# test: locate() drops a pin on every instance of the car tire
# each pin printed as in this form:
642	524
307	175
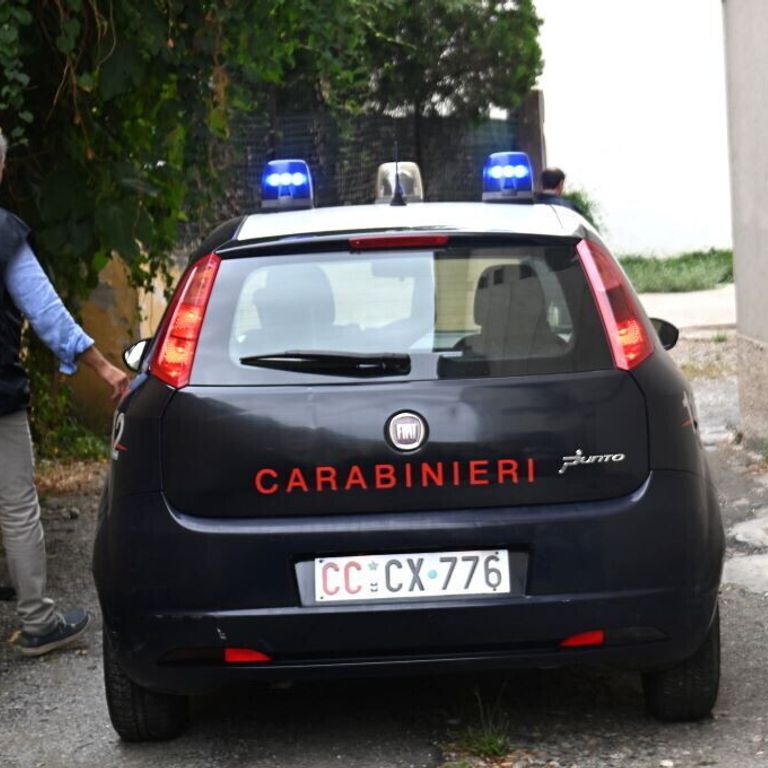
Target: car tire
137	713
688	690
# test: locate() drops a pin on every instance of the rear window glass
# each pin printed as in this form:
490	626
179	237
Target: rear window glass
455	312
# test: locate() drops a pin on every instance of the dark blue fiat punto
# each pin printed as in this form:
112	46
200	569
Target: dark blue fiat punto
405	438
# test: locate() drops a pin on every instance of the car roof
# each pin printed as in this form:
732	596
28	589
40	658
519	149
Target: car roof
527	219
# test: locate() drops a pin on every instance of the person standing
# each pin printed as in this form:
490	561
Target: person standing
26	292
552	187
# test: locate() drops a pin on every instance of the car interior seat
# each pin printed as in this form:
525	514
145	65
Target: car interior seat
296	311
511	310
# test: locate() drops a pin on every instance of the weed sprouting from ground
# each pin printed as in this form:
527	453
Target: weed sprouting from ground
489	737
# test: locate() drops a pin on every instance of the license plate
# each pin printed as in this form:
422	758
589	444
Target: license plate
411	576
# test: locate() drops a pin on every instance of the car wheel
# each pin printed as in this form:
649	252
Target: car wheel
688	690
137	713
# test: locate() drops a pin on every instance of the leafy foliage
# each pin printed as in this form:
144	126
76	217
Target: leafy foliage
132	101
586	204
13	16
457	56
119	111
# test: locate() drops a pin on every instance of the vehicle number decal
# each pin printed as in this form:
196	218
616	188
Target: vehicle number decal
117	435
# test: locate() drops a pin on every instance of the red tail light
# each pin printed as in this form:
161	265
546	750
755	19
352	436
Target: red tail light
177	337
593	637
629	333
244	656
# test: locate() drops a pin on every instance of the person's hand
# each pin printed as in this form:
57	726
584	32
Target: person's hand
118	380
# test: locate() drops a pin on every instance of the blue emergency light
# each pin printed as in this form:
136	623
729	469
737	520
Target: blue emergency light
286	185
507	178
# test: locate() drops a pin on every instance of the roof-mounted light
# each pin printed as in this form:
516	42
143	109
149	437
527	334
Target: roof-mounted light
507	178
286	185
409	176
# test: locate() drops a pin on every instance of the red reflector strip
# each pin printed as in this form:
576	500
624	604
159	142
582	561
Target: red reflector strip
593	637
396	241
244	656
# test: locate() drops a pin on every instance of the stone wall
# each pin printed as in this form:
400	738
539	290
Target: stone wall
746	32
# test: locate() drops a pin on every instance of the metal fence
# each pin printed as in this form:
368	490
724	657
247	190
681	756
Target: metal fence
344	155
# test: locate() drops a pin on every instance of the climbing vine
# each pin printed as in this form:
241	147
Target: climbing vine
118	112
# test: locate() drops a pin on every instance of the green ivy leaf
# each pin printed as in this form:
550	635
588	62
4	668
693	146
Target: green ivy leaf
114	225
21	15
99	261
121	72
86	81
67	39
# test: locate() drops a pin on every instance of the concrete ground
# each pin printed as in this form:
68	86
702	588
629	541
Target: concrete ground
696	309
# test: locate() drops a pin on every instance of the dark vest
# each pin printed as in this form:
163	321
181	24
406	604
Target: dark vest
14	386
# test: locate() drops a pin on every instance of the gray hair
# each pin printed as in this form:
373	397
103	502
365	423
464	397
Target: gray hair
3	149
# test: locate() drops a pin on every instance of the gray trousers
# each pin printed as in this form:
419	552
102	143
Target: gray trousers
20	523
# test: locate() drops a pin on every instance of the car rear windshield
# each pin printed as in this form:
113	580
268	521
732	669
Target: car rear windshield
454	312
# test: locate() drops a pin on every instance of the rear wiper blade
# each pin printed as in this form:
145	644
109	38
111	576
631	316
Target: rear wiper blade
331	363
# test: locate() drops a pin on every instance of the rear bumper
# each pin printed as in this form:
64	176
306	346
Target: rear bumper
309	643
644	568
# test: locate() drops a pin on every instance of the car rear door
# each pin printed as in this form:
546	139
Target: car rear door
512	394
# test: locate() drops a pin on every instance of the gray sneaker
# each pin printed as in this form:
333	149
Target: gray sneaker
72	626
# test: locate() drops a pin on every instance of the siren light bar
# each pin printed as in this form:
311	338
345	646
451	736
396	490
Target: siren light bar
286	185
508	178
409	176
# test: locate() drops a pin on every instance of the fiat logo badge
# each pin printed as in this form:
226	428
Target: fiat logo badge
406	431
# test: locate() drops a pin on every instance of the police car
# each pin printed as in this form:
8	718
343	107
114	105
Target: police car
404	437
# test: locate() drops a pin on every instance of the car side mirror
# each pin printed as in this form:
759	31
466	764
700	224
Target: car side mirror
668	334
133	356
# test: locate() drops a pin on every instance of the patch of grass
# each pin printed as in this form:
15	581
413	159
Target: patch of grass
483	742
694	271
720	338
489	737
71	441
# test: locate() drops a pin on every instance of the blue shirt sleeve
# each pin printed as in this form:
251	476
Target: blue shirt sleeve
35	297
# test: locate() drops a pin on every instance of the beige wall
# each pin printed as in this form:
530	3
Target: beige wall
111	318
115	316
746	50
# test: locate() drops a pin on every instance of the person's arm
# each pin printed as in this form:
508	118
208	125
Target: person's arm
113	376
35	297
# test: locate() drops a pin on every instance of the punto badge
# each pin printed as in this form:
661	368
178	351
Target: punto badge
579	458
